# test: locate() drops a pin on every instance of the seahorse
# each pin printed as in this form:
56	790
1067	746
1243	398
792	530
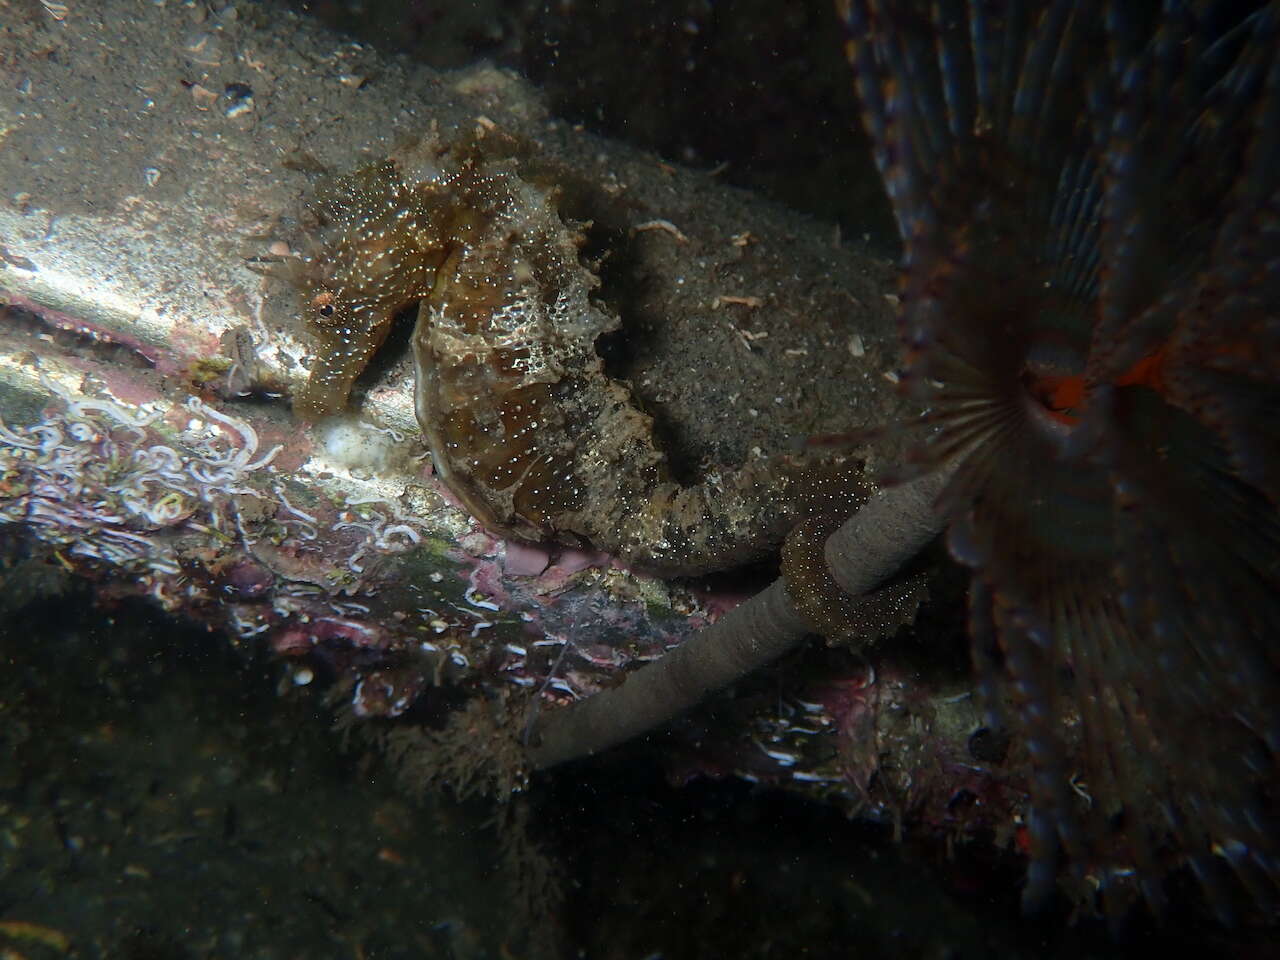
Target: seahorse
522	422
1088	194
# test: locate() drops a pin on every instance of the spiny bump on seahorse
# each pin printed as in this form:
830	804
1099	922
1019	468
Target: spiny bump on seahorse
524	425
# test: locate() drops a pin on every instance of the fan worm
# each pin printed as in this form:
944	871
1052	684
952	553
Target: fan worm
1089	199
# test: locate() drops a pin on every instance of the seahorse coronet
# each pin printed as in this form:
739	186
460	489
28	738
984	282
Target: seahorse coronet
524	425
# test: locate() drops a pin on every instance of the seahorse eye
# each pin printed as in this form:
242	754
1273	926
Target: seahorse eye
322	304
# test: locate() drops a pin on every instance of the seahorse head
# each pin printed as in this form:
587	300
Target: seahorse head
374	252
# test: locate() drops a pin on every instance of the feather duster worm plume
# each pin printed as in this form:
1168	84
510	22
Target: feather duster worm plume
1089	200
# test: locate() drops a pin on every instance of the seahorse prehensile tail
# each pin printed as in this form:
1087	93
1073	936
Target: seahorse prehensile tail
1088	194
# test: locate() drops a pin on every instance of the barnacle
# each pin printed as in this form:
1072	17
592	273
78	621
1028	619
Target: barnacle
1089	199
523	424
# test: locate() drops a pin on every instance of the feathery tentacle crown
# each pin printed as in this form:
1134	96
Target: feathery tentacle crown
1089	200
